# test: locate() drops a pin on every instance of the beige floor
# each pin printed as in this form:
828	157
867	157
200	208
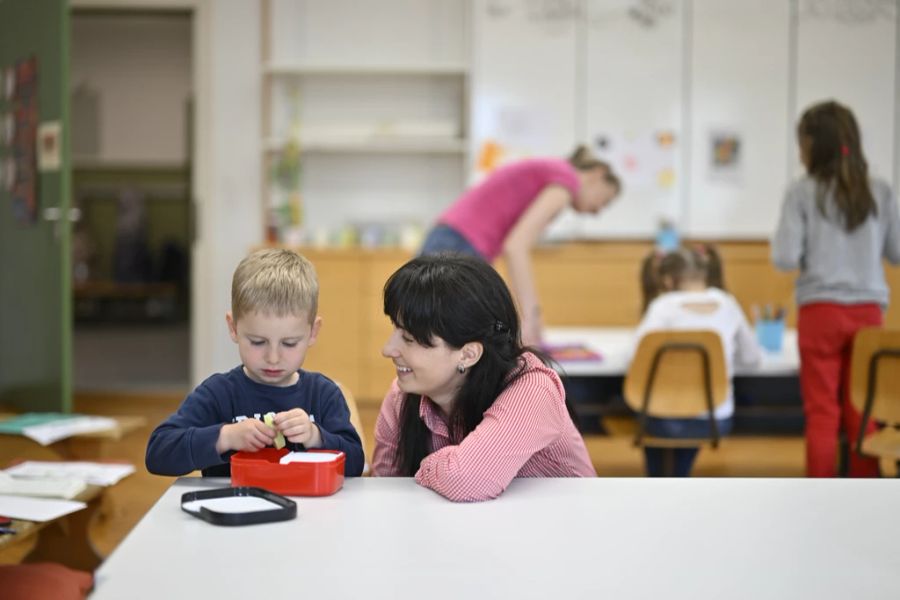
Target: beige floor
613	456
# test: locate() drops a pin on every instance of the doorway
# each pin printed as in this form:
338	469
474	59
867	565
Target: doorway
131	104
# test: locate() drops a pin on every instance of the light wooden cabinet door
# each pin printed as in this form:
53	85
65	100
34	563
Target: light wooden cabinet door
377	371
336	352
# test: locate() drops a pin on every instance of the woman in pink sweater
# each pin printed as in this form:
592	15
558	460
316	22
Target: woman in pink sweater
471	408
508	211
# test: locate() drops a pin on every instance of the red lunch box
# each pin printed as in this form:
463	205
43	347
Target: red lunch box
262	469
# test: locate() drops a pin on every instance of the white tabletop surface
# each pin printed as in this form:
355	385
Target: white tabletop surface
596	538
616	343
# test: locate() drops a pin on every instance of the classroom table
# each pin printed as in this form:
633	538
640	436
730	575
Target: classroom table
615	345
542	538
767	396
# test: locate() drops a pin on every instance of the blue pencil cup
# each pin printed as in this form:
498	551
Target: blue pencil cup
770	333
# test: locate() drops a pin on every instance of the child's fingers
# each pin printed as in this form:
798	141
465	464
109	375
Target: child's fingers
282	418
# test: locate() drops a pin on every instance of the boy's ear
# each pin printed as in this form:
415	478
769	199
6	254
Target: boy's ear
471	353
232	331
314	330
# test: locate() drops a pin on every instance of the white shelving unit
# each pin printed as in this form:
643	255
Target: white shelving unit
375	98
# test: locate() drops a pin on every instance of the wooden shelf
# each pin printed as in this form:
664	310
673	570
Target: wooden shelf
376	145
372	70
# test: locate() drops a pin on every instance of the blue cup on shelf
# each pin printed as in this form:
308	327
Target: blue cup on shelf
770	334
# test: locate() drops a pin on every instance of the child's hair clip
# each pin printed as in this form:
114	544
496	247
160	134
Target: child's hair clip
845	150
500	327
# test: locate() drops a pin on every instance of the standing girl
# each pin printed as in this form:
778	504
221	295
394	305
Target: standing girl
508	211
837	224
471	408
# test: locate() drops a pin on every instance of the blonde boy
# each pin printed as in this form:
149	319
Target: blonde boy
273	320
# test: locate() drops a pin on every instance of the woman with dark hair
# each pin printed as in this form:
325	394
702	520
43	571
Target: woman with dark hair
837	223
509	210
471	407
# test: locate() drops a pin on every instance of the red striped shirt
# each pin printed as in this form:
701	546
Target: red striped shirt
527	432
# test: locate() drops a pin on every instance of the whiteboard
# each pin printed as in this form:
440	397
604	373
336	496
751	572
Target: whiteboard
633	97
846	52
739	91
523	78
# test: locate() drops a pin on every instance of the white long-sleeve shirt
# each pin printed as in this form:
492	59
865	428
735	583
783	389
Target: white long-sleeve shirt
711	309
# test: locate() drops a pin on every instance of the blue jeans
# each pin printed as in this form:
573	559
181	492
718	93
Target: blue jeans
681	459
444	238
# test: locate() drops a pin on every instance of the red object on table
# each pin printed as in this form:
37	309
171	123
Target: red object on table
262	469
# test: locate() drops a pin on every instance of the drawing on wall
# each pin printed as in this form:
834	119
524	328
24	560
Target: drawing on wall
49	156
22	180
725	156
511	133
9	83
645	161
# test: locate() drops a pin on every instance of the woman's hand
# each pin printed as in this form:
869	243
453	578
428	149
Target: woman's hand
298	428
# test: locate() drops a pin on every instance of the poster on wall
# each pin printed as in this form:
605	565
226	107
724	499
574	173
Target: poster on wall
725	156
21	176
644	160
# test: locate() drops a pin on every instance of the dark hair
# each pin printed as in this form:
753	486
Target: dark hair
698	260
584	160
460	299
830	141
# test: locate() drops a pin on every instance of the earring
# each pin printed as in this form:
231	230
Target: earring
460	368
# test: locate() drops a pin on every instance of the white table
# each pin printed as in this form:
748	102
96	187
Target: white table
615	343
543	538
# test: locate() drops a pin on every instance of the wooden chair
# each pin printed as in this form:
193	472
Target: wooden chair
355	421
875	390
677	374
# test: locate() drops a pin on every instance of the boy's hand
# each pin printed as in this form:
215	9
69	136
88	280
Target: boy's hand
298	428
248	435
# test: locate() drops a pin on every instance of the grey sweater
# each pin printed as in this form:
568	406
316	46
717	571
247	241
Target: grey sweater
836	266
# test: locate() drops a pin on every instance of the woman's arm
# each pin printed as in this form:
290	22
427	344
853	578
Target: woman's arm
526	418
517	253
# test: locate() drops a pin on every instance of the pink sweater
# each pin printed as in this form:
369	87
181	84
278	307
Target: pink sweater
526	432
485	214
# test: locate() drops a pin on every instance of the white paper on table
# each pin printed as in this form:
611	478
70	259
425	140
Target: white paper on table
232	504
43	487
308	457
36	509
54	431
104	474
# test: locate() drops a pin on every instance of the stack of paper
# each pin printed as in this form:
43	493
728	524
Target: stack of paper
46	428
46	487
104	474
36	509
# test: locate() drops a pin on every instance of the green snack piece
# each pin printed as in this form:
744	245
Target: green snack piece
269	420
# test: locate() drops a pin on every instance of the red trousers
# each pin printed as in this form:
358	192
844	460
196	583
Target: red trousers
825	335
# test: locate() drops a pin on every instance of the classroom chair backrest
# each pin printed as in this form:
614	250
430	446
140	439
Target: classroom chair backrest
354	413
875	375
677	374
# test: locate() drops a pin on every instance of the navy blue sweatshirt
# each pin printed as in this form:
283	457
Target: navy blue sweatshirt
186	441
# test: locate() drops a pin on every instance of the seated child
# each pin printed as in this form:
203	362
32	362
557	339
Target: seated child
274	297
688	299
651	287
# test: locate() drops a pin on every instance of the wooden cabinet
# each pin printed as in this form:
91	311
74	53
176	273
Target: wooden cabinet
593	284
